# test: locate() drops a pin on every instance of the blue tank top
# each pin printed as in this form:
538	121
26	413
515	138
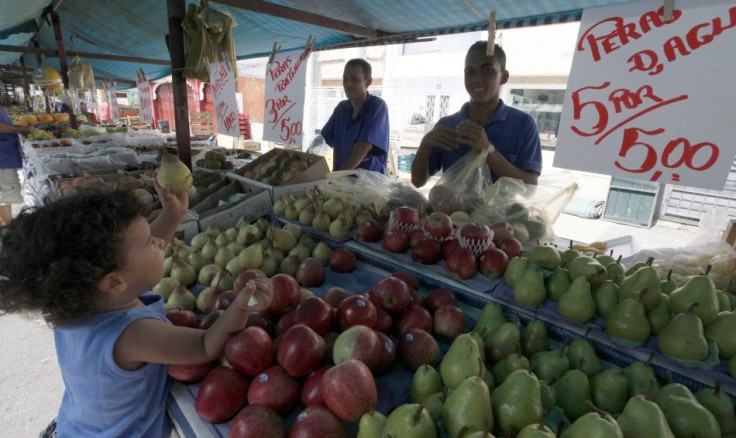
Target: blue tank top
100	398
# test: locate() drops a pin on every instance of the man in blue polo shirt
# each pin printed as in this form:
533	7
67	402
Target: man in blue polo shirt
10	162
358	129
484	121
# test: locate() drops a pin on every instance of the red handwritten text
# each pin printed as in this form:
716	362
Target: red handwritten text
277	108
277	67
228	117
283	84
220	79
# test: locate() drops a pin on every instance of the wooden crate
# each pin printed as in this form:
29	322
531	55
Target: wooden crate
200	123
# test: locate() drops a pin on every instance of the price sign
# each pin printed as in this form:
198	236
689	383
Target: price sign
222	81
653	99
285	87
145	101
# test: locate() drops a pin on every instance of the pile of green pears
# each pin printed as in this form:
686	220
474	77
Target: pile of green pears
686	318
503	379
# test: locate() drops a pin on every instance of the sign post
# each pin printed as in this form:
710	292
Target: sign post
224	91
650	98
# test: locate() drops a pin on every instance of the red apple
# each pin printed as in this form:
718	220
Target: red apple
330	339
311	394
274	388
210	319
427	252
438	298
448	246
449	323
283	323
384	322
369	231
224	300
191	372
461	263
311	273
358	342
395	241
349	390
221	395
334	295
315	313
262	320
405	218
415	237
257	421
415	317
394	294
342	260
300	350
388	355
417	347
476	237
407	278
511	246
286	294
501	230
493	262
438	226
182	317
317	421
356	310
416	298
244	277
250	351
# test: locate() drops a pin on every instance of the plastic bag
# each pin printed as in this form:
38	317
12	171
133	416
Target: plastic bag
462	185
365	187
80	75
693	259
530	209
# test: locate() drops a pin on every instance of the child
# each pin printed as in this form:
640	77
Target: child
85	262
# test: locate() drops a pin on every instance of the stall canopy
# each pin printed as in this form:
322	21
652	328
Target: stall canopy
119	37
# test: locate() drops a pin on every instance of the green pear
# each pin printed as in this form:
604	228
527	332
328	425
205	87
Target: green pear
605	259
478	338
529	290
588	267
581	349
697	289
633	268
164	287
371	425
460	361
425	382
557	284
732	366
515	269
501	370
207	297
720	405
685	415
724	304
409	421
534	338
546	257
182	271
548	365
503	341
640	377
642	418
468	408
721	331
667	285
181	298
642	284
660	316
539	430
609	390
629	322
282	239
572	391
683	338
251	257
577	303
606	298
616	272
490	318
517	401
596	424
547	395
433	404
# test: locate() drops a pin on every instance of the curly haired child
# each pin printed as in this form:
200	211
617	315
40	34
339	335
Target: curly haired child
86	263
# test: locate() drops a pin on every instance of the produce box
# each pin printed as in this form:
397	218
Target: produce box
224	207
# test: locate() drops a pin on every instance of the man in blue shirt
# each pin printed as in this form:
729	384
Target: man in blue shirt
10	162
358	129
484	121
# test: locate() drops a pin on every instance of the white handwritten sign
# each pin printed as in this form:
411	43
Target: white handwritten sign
222	81
285	86
653	100
145	101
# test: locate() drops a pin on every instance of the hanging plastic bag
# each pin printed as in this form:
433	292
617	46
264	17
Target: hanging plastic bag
209	39
81	76
530	209
462	185
365	187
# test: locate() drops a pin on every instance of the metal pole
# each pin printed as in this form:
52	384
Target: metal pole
176	12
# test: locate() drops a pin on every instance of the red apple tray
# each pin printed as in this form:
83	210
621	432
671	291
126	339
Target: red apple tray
393	387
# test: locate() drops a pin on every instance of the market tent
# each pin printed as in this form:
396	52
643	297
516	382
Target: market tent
119	37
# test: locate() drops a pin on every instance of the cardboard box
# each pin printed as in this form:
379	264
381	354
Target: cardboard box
729	235
212	211
315	172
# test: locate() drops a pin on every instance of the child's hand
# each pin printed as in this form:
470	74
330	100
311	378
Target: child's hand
175	202
256	296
